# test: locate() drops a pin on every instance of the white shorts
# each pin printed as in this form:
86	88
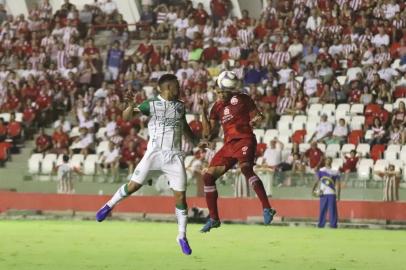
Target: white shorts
158	162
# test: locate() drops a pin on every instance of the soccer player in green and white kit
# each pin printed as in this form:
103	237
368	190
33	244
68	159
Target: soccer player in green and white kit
166	126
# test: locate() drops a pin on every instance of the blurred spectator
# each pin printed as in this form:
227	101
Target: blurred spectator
378	132
314	157
109	161
43	142
391	179
324	130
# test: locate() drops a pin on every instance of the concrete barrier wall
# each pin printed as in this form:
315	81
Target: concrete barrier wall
230	208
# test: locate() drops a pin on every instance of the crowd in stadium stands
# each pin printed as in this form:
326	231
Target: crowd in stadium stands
296	54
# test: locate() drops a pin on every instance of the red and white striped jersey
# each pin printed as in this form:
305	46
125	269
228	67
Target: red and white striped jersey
355	4
399	24
364	37
246	36
279	57
61	59
283	104
265	58
348	49
382	57
234	53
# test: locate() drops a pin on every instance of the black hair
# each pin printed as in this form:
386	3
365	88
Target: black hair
167	78
65	158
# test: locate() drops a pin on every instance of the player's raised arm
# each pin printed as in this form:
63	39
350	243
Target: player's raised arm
132	108
255	115
210	127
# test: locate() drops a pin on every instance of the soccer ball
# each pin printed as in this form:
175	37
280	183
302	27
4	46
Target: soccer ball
227	80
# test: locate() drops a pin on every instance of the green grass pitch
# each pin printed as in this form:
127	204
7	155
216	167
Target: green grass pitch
73	245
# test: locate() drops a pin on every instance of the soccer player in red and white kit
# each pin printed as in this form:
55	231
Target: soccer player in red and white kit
237	114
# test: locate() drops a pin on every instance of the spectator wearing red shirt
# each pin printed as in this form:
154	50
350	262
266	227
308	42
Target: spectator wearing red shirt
200	15
355	93
219	10
129	157
350	164
210	53
14	128
43	142
60	141
314	157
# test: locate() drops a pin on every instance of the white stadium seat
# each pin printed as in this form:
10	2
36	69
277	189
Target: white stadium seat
303	147
342	79
311	124
299	79
103	146
388	107
328	109
74	132
392	152
363	149
48	163
343	109
397	163
259	133
269	135
380	166
285	122
347	148
5	116
332	150
368	135
364	168
299	122
77	160
337	164
357	109
284	136
396	104
402	154
101	133
89	165
314	109
357	122
322	147
34	163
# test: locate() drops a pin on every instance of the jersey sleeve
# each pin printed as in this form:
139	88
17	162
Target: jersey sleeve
144	107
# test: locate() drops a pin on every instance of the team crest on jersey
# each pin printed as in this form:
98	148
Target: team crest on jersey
234	101
226	111
244	150
179	110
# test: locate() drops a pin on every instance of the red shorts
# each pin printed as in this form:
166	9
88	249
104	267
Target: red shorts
241	150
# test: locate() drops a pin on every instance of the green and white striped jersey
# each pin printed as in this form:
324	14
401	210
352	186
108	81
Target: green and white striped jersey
165	125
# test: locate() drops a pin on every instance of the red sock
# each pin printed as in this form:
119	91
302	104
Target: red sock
260	191
256	184
211	195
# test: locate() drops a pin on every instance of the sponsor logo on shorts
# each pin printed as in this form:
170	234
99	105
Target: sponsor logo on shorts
137	172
